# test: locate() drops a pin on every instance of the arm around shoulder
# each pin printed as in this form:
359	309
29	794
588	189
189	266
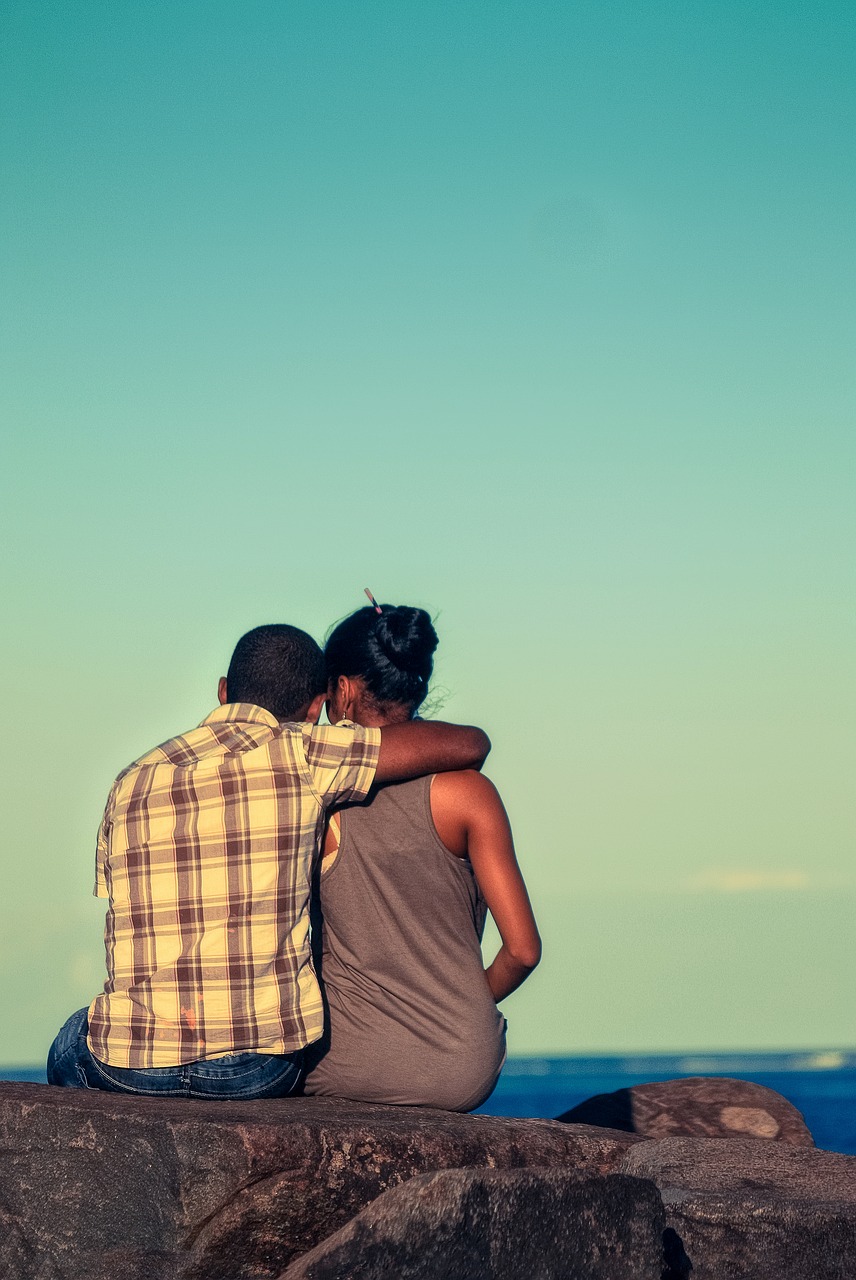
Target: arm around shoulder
419	747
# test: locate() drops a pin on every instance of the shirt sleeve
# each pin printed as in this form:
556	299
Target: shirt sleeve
342	760
101	849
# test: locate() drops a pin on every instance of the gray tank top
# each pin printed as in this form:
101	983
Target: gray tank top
411	1019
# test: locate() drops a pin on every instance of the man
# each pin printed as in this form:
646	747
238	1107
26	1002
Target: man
205	854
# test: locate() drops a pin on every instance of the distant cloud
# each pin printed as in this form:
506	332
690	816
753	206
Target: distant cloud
730	880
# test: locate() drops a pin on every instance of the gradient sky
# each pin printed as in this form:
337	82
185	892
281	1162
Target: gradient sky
538	315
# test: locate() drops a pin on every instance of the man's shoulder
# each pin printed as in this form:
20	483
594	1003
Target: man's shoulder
180	749
338	738
292	744
215	739
184	750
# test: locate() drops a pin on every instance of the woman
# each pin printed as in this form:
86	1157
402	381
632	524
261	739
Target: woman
405	882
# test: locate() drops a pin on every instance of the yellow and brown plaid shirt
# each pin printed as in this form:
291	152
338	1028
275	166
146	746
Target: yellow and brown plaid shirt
205	852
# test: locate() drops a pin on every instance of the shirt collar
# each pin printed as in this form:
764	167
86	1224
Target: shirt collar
245	712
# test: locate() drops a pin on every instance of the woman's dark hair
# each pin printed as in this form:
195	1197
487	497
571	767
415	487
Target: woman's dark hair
392	651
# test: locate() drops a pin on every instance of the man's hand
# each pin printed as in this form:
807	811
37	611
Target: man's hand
418	747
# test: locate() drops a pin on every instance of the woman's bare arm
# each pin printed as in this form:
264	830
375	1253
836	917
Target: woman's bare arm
471	820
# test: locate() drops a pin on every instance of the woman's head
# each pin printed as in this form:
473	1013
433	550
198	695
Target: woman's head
380	662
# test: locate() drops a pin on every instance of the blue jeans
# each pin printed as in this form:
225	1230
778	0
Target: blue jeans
72	1064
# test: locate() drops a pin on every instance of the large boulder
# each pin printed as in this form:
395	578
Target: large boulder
703	1106
97	1185
748	1210
491	1225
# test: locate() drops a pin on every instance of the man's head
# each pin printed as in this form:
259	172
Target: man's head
280	668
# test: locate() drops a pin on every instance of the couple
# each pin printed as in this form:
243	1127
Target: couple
206	852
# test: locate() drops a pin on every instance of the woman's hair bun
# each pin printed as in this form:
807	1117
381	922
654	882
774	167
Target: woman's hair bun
391	651
406	637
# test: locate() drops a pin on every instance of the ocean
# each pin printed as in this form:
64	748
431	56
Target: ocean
820	1085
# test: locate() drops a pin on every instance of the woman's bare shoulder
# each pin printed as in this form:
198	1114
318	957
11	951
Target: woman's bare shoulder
463	788
462	802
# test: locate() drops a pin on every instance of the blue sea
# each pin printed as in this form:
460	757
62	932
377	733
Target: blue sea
820	1085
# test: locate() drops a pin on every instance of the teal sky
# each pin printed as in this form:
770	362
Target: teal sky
538	315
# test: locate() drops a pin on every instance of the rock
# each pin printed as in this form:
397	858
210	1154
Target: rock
707	1106
748	1210
98	1185
491	1225
711	1165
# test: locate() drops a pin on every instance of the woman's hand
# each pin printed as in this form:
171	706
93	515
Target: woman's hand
471	821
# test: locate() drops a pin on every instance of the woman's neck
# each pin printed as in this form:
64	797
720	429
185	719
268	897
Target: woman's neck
378	717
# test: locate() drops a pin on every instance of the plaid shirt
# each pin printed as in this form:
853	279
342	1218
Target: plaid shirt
205	852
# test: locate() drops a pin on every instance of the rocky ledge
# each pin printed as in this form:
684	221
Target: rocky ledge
101	1187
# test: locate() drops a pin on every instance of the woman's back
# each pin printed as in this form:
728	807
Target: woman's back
411	1016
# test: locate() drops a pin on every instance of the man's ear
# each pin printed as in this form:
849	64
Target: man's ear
315	708
222	691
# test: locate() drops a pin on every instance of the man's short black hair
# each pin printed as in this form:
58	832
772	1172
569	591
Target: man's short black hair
277	667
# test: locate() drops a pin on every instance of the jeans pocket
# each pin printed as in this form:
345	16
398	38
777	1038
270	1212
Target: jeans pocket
277	1081
271	1076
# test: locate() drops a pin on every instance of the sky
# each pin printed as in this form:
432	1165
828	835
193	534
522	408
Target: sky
536	315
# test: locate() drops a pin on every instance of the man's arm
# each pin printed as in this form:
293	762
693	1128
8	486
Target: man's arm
418	747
